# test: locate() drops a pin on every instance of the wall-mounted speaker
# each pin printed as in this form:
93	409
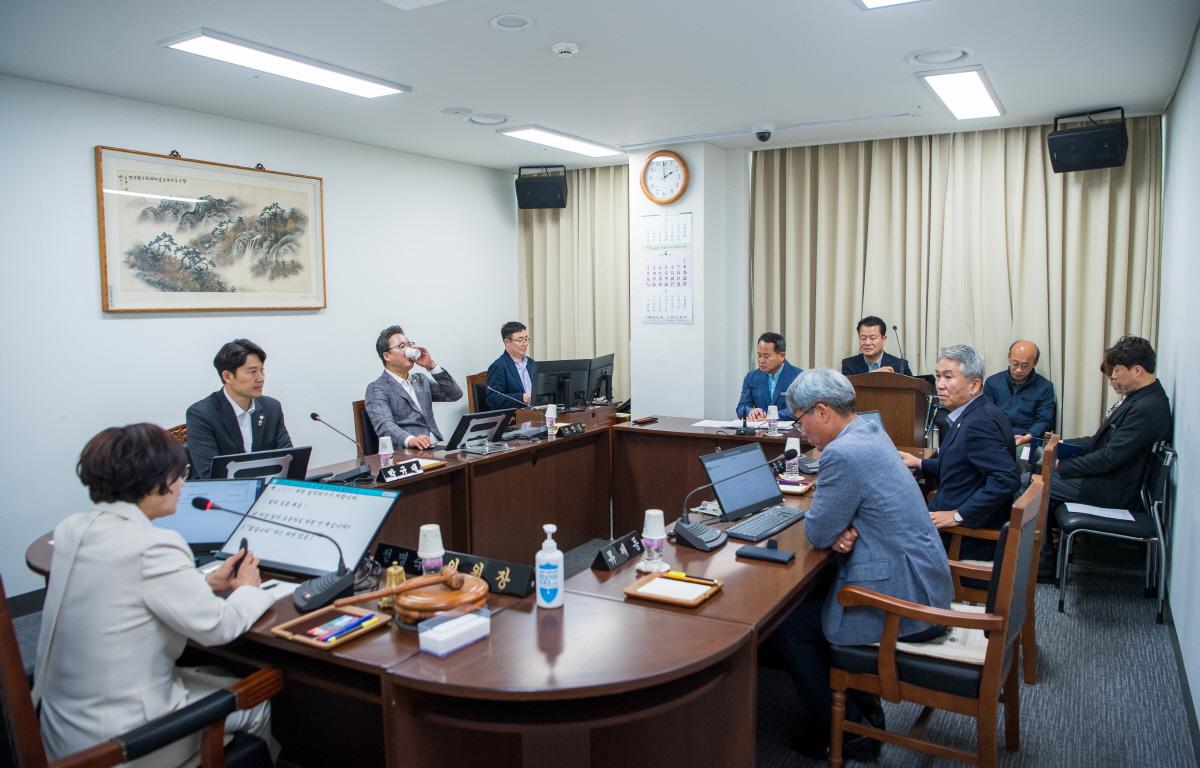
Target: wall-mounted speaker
1097	145
542	186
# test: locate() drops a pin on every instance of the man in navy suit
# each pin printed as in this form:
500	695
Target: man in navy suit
400	402
767	384
872	338
868	509
975	466
512	372
237	418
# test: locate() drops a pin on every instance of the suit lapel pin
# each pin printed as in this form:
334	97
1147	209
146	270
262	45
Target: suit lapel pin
260	419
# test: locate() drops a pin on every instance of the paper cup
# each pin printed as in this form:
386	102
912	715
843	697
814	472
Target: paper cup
430	547
653	527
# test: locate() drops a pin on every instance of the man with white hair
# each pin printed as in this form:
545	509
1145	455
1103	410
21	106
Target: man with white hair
868	509
975	466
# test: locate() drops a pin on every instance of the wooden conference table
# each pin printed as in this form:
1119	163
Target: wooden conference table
605	678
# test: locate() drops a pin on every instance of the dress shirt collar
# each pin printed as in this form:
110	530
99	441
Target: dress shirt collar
873	364
958	411
237	409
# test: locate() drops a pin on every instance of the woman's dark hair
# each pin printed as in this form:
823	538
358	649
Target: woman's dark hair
131	462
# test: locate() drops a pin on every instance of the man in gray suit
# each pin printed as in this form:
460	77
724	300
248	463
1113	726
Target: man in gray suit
399	404
868	508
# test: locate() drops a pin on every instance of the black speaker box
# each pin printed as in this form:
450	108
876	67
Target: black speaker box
1091	146
543	187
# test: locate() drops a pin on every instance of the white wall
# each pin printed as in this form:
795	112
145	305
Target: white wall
696	370
1178	365
426	243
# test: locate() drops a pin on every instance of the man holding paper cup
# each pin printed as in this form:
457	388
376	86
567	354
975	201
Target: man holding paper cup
399	404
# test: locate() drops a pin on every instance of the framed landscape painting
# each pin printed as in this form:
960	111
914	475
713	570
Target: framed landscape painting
181	234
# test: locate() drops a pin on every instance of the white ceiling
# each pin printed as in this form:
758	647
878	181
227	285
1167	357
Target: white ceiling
649	71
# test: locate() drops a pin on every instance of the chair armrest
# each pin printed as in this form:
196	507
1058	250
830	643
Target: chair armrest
857	597
258	687
987	534
970	570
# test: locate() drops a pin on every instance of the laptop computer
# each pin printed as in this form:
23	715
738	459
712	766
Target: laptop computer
205	532
742	494
291	463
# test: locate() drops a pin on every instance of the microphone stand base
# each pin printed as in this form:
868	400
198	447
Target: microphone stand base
699	536
323	590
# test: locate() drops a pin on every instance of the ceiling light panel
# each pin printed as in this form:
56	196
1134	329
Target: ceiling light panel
965	92
244	53
546	137
871	5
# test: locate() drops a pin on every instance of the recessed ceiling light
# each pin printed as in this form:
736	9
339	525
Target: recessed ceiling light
870	5
966	92
457	111
565	50
490	120
511	22
217	45
939	57
539	135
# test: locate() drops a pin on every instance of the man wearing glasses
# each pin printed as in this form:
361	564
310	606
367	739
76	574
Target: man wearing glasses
399	404
510	376
1026	397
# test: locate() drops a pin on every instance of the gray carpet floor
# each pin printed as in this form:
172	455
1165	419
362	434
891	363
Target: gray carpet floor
1108	693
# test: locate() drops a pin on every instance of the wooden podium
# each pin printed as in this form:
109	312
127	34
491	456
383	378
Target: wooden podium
901	401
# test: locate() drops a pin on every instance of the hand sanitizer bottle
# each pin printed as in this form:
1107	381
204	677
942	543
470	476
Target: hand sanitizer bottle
548	565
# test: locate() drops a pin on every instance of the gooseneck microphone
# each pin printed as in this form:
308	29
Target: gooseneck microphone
703	537
362	470
521	403
311	594
900	343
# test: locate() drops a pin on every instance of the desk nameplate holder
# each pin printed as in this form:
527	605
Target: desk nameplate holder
566	430
618	552
502	577
399	471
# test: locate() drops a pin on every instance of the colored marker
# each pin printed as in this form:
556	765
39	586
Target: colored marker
365	621
681	576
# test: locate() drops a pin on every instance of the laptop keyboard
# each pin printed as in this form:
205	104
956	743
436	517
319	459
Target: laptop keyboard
766	523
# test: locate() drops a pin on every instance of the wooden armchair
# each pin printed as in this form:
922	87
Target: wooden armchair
207	714
477	392
364	430
965	589
970	673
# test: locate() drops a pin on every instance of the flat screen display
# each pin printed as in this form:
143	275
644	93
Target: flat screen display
207	531
747	493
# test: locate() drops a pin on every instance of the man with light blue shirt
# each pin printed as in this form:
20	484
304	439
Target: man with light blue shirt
510	376
767	384
882	539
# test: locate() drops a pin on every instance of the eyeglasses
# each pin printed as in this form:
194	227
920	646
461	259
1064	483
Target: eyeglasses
403	345
1013	365
524	340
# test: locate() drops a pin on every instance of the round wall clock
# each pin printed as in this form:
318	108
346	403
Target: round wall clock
664	177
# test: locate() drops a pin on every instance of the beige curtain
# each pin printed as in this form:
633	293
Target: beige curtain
961	238
573	272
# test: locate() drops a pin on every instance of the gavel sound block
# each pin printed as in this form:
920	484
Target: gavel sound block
427	596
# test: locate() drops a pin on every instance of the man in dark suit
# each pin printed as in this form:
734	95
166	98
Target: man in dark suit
872	338
869	511
1026	396
512	372
1109	472
237	418
767	384
975	466
400	404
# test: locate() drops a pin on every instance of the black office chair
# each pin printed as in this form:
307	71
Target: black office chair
1147	526
23	746
481	393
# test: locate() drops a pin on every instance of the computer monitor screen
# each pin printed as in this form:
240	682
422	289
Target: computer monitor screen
207	531
291	463
351	516
747	493
600	378
563	382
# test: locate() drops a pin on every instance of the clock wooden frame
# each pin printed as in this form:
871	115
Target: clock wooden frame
683	171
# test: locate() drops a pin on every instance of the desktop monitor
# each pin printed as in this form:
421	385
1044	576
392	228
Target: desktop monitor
563	382
351	516
291	463
600	378
752	491
480	427
206	531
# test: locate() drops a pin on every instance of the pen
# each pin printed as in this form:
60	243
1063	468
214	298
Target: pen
365	621
681	576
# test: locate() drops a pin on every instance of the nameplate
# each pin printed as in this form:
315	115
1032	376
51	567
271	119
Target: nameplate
618	551
566	430
502	577
399	471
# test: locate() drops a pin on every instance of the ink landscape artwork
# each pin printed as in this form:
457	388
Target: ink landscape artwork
181	234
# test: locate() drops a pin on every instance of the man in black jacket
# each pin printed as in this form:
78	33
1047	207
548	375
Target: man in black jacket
237	418
1109	472
872	338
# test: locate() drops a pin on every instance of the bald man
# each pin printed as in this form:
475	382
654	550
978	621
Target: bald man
1026	397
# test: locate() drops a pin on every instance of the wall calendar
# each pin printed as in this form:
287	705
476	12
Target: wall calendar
667	277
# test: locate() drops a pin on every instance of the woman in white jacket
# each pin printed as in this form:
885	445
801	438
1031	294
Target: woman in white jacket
125	597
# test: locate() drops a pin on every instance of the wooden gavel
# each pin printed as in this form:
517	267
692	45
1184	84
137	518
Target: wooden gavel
448	576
